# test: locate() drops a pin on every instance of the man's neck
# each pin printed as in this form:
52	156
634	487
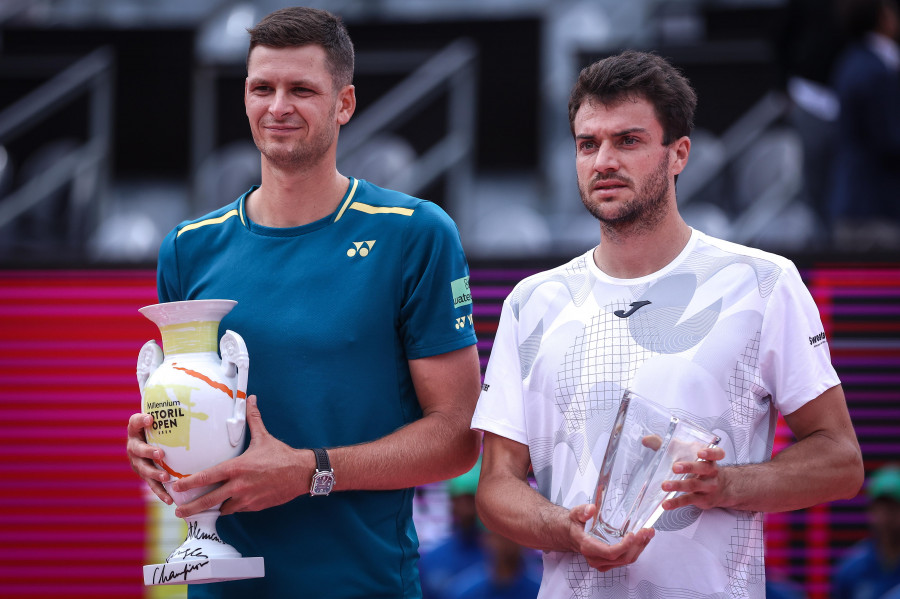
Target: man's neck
638	254
295	198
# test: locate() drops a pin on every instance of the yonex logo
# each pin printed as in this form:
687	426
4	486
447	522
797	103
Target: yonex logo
461	321
361	247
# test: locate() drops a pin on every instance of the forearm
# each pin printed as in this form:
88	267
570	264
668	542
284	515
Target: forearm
514	509
435	447
814	470
508	504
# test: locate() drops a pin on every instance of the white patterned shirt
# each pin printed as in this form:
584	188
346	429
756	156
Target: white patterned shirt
725	336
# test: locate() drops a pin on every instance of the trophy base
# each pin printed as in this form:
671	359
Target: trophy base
204	571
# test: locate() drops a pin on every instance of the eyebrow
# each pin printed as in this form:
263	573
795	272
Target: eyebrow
628	131
295	83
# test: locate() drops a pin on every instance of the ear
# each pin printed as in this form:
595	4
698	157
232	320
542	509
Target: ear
346	104
681	150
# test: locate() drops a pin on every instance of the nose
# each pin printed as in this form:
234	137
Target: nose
280	106
606	160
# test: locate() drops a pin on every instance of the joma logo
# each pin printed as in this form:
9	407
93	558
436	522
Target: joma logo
635	306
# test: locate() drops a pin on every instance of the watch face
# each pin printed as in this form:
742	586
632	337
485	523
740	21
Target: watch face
322	483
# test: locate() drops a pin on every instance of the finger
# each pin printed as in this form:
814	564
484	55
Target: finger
703	469
702	498
582	513
692	484
142	457
637	546
201	504
622	553
231	506
137	423
150	472
603	553
645	535
137	448
653	442
159	491
627	551
697	467
210	476
682	501
712	454
254	419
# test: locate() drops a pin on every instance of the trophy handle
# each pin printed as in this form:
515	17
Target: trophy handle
236	363
149	359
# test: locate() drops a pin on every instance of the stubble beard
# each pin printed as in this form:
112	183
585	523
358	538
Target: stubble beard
647	209
302	153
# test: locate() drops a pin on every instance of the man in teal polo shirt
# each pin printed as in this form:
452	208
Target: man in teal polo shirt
354	304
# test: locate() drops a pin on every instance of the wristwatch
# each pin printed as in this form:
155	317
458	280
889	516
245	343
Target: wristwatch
323	479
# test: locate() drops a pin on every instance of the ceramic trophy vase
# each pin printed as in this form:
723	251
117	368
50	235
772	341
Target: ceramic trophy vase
198	403
645	442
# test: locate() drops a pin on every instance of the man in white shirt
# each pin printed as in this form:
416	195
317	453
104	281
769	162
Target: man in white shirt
721	334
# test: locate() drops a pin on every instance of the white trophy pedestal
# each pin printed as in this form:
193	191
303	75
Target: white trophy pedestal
204	571
203	557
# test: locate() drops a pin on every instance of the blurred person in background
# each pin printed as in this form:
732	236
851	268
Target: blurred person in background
872	567
354	304
464	546
510	572
721	334
865	194
808	41
474	563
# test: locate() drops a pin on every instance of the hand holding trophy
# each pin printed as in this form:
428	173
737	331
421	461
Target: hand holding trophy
198	404
646	440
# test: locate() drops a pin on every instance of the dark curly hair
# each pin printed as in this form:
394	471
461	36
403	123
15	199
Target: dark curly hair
634	74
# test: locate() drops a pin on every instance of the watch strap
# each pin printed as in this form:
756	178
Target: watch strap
323	464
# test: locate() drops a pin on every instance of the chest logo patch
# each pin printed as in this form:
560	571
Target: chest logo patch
635	306
361	247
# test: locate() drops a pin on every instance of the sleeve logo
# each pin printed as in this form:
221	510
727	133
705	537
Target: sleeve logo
460	290
817	339
461	321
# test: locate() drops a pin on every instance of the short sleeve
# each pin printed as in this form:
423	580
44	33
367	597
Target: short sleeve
436	306
501	405
168	284
795	362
